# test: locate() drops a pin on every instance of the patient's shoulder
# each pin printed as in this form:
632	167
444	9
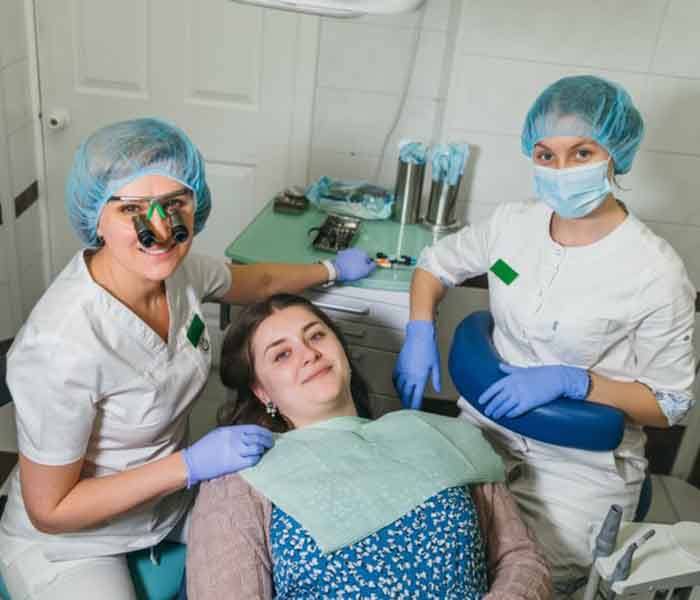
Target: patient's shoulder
230	493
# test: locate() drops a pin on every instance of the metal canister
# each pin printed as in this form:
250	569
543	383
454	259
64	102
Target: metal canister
408	192
440	215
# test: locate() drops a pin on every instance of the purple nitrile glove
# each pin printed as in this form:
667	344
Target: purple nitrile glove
225	450
418	359
352	264
525	388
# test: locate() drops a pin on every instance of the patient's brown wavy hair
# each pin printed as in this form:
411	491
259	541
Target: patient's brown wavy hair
238	369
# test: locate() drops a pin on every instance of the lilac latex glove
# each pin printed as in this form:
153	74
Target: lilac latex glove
525	388
225	450
352	264
418	359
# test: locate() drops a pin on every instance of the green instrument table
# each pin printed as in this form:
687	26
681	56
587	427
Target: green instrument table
277	237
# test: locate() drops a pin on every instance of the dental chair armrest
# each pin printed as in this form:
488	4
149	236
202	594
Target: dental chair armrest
473	366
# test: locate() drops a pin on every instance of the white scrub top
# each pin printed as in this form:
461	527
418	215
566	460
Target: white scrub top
88	377
622	307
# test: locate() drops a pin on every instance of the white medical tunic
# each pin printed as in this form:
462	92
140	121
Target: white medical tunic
622	307
90	378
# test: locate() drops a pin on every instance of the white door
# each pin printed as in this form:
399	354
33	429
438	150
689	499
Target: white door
9	314
237	79
10	298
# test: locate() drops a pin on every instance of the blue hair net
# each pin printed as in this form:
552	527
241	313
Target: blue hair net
586	106
122	152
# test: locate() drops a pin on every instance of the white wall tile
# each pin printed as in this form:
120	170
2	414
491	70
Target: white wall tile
350	166
13	44
672	115
678	49
22	166
493	94
341	165
358	91
359	121
379	59
686	241
15	89
478	212
611	34
664	187
497	171
437	14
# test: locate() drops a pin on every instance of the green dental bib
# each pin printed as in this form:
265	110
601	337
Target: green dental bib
346	478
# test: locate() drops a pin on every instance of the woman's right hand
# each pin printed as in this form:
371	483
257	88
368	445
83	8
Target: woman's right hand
225	450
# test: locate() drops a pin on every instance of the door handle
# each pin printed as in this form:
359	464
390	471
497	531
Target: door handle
57	119
343	309
353	332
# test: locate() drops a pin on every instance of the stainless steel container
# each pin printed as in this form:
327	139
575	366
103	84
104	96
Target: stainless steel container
408	192
441	212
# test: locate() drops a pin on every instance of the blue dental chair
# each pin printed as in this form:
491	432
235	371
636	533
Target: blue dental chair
473	366
160	581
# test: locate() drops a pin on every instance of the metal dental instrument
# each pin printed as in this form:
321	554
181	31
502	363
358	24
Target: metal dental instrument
604	546
624	565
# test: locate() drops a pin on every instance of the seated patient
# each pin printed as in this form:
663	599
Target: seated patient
406	506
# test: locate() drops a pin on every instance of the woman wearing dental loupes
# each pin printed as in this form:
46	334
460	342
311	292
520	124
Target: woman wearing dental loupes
588	303
105	370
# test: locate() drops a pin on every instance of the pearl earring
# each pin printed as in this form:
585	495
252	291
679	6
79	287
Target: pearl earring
271	409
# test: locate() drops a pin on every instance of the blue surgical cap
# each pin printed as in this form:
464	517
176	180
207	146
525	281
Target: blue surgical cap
122	152
586	106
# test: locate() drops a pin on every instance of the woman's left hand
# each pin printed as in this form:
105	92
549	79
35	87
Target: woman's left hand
525	388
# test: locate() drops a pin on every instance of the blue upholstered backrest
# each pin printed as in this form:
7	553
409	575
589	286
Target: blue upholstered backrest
473	366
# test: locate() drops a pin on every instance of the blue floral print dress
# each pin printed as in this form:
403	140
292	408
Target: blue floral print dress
435	551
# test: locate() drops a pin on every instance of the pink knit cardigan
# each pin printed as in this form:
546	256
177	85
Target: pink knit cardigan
228	550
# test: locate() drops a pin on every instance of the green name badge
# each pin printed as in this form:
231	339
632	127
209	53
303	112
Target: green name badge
504	271
195	330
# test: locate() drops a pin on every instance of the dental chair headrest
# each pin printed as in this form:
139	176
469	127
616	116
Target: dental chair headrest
473	366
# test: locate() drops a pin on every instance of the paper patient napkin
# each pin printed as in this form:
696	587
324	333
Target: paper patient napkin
348	477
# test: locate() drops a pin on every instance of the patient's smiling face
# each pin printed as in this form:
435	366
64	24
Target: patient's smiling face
301	367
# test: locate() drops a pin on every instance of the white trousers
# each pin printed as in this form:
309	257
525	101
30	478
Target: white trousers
31	576
563	492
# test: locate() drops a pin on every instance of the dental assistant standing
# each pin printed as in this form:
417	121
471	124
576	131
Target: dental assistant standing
588	303
105	370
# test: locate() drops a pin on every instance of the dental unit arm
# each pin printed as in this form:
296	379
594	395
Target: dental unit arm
604	546
651	560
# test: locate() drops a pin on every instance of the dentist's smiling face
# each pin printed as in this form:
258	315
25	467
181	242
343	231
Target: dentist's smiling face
121	244
300	366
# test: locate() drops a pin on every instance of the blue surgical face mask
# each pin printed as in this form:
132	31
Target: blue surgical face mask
575	192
